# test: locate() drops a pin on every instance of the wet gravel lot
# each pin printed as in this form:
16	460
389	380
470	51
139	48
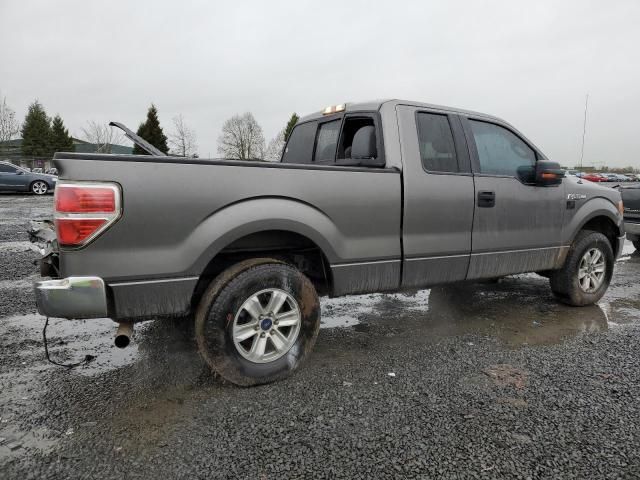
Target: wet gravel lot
472	381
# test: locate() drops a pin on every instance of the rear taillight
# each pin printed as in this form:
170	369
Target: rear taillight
85	210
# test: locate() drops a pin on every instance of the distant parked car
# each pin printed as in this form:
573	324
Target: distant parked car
52	171
609	177
37	170
616	177
594	177
18	179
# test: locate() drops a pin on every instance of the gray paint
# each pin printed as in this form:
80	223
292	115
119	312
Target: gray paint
352	216
140	300
438	213
497	264
379	229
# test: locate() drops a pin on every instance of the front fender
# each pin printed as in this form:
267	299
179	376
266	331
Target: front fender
260	214
588	210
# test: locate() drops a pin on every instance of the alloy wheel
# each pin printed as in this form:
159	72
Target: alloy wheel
591	271
39	188
266	326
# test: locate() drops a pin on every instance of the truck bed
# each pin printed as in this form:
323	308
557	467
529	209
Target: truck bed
179	213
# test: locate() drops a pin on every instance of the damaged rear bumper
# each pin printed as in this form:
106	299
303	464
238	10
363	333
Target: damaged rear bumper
72	298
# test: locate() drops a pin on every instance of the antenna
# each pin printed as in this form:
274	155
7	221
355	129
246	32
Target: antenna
584	128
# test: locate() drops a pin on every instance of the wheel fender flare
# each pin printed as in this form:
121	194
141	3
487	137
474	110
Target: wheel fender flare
596	207
237	220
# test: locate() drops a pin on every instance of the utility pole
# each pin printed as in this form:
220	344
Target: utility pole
584	128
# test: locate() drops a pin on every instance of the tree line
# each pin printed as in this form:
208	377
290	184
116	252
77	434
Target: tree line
241	138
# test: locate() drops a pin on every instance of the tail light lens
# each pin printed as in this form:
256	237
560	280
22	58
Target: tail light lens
85	210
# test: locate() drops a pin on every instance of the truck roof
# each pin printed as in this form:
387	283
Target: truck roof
374	105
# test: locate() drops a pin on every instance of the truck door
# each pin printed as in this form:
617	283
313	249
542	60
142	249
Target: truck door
517	225
438	197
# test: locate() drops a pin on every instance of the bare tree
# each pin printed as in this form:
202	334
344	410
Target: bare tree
242	138
101	135
275	148
183	140
9	126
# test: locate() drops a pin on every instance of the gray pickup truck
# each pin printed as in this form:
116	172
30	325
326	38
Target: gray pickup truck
368	197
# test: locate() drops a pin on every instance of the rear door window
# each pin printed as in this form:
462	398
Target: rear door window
7	169
299	148
327	142
437	150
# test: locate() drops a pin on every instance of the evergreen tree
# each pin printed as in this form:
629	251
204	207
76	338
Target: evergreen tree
61	141
36	132
292	123
152	132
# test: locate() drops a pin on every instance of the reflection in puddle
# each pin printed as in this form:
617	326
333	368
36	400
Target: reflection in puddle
347	311
518	310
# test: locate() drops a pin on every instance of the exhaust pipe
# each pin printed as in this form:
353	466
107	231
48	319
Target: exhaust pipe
124	334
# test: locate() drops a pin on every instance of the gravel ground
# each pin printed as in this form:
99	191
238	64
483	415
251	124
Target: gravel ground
472	381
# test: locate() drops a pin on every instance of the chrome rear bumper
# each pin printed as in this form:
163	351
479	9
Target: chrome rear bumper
72	298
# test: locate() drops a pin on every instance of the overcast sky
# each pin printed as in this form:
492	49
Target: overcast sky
529	62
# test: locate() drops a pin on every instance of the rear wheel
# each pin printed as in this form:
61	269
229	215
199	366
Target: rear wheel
587	270
39	187
257	322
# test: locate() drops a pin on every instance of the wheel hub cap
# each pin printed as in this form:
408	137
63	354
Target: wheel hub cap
267	325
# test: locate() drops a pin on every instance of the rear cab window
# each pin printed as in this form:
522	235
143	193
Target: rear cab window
299	148
329	142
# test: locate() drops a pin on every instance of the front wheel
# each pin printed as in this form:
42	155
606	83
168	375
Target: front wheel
39	187
257	322
587	270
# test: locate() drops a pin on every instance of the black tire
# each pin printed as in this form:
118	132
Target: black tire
636	244
222	303
39	187
565	283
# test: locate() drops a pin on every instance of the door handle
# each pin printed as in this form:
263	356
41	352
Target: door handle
486	199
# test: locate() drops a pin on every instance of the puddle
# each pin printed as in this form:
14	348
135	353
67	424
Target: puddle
348	311
518	310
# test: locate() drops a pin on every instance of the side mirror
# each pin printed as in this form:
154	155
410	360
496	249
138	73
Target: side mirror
19	172
548	173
